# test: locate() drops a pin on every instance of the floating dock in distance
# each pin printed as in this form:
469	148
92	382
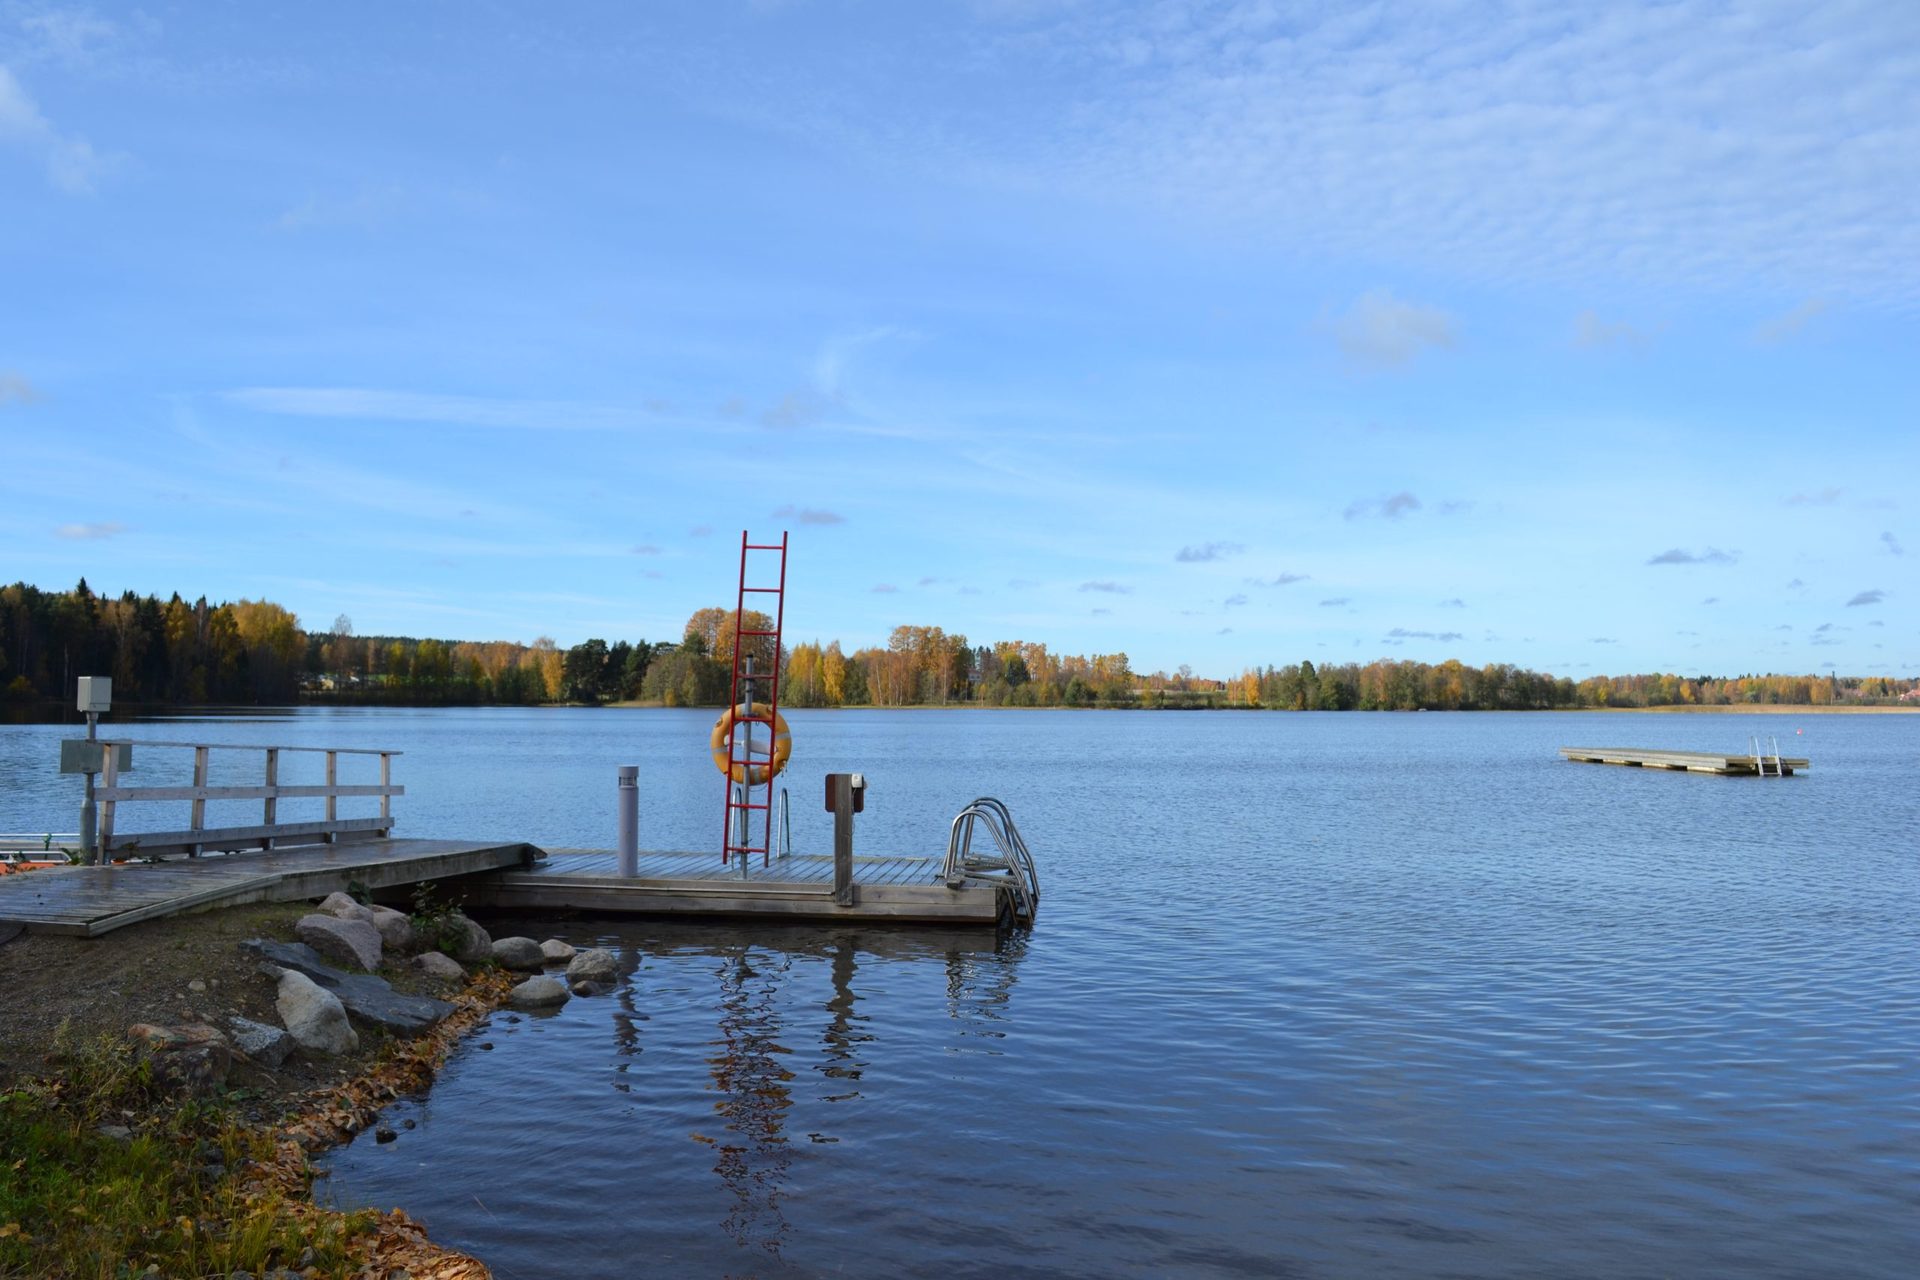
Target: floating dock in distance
1728	766
89	901
902	890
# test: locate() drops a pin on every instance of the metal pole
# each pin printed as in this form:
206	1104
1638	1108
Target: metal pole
629	820
89	826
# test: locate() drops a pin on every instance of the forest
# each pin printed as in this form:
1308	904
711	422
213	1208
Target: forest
256	653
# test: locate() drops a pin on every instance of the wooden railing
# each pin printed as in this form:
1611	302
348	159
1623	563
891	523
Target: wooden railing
199	837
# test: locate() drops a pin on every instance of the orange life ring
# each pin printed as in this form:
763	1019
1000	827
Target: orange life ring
721	745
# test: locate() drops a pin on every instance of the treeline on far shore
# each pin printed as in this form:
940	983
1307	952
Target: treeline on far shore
254	652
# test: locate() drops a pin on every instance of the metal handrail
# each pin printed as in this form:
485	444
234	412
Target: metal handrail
1013	866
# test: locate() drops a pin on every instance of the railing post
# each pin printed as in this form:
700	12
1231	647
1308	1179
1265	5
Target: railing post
629	846
386	801
271	805
333	801
199	823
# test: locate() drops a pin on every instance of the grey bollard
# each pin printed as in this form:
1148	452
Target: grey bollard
629	820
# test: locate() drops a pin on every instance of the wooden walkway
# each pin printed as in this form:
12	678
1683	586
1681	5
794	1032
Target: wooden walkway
898	890
89	901
1690	761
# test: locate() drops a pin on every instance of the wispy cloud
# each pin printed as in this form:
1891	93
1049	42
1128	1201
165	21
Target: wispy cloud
70	161
1401	633
1233	602
645	549
1455	603
1679	555
795	409
377	405
1391	507
1590	332
1279	580
89	532
1335	602
365	209
1383	332
1892	545
885	589
808	515
1208	551
1603	640
1782	327
1866	597
1815	498
1111	588
15	389
1672	145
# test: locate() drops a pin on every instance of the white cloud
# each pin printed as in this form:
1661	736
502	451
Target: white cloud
91	532
1782	327
70	160
409	406
1382	331
15	389
1593	333
1725	145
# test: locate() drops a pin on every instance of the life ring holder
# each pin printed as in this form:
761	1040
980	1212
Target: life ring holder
720	743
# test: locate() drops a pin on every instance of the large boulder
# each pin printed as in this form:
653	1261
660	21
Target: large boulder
366	997
523	954
341	907
596	964
396	930
314	1016
538	993
555	951
473	944
348	942
191	1058
260	1043
437	965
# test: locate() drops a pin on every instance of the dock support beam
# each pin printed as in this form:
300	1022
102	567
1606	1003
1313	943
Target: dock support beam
629	846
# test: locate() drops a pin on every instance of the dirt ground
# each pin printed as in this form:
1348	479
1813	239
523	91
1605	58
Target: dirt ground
145	973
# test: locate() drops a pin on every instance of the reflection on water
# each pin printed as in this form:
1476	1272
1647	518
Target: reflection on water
751	1079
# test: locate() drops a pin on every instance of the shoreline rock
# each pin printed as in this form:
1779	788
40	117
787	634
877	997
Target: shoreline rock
347	942
314	1016
372	1000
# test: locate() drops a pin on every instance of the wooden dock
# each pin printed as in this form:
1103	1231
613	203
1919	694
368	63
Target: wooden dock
898	890
90	901
511	875
1735	765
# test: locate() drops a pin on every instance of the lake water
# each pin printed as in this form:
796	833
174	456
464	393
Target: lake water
1315	995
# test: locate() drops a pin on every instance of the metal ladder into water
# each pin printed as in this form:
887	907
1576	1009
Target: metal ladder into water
1009	865
1760	759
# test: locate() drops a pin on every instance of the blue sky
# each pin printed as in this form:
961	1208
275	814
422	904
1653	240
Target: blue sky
1579	337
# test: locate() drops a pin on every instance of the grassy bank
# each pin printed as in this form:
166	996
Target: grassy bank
107	1175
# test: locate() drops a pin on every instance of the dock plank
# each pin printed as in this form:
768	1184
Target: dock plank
89	901
888	889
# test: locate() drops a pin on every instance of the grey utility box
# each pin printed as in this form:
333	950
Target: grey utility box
96	693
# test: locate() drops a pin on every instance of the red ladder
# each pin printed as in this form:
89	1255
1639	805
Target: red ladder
750	744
